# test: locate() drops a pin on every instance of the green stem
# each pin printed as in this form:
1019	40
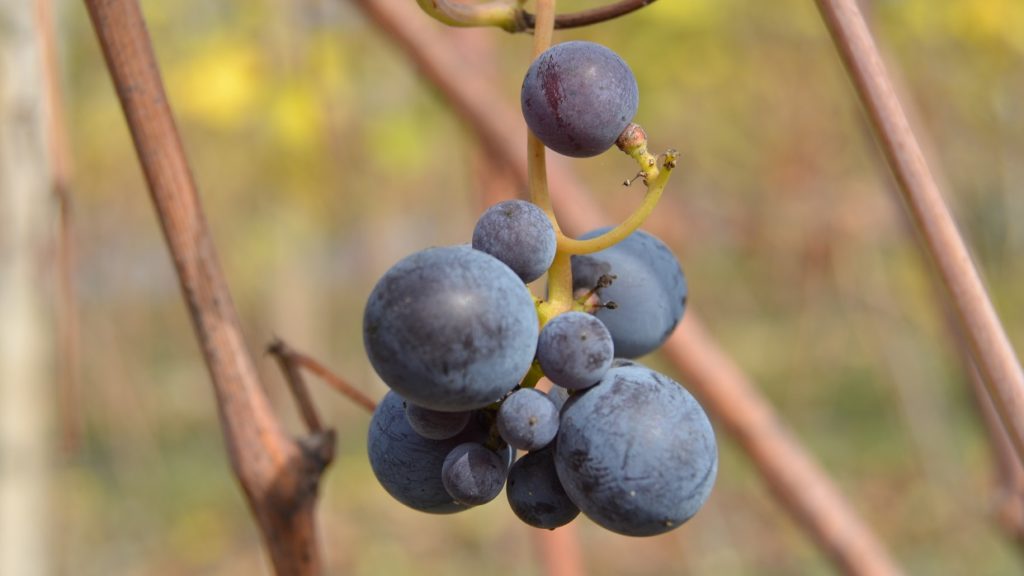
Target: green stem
629	225
532	376
536	162
536	167
544	27
560	297
560	273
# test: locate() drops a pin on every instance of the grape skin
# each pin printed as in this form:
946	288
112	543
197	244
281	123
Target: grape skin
636	452
535	494
528	419
433	424
649	290
575	350
559	396
473	474
577	97
450	329
407	465
519	234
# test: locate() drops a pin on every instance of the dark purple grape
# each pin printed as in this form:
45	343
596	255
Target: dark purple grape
535	494
559	396
649	290
578	97
433	424
408	465
450	329
528	419
575	350
519	234
636	452
473	474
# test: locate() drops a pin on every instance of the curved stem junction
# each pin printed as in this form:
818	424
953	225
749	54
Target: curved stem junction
499	13
630	224
510	16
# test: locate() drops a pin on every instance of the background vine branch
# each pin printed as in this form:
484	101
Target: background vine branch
66	255
291	360
990	347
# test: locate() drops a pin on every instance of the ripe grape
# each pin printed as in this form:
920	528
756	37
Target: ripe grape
473	474
519	234
575	350
636	452
649	290
559	396
408	465
535	493
450	329
433	424
528	419
578	97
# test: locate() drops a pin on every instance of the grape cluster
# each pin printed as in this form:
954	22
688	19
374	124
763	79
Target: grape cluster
460	340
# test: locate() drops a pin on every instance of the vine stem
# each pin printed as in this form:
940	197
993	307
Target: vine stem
990	347
279	475
590	15
536	159
560	273
296	384
290	360
536	153
66	254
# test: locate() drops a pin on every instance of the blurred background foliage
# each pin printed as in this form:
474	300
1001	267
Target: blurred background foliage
322	159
